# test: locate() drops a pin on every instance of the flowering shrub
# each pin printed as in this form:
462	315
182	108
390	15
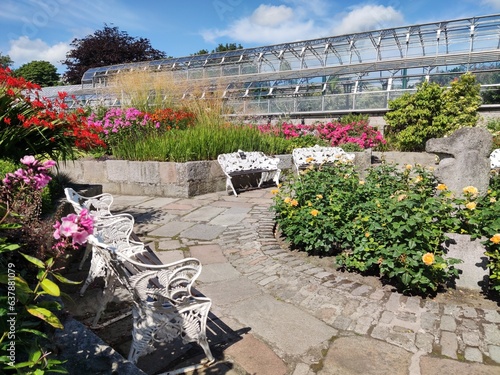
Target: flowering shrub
33	124
20	191
335	133
391	223
28	277
73	230
129	125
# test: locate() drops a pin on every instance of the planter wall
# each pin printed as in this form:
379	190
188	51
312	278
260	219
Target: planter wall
192	178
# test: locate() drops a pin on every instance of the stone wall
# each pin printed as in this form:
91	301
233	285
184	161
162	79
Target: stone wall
193	178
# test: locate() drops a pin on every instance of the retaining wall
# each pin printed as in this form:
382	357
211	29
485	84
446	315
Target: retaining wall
192	178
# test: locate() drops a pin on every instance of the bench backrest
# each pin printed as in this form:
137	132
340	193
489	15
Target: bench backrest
317	155
247	161
98	205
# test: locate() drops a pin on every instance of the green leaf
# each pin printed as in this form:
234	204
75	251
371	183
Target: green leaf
50	287
65	280
45	315
37	262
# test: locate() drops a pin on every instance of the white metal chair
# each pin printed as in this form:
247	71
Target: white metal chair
495	159
164	307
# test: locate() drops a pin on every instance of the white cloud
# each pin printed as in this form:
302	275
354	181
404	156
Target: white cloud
23	50
368	17
495	4
268	24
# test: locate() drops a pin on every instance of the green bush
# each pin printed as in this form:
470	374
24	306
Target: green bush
432	112
391	223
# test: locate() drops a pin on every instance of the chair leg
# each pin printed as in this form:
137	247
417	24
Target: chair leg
229	184
107	296
88	249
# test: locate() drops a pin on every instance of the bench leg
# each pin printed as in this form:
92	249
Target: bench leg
88	249
229	184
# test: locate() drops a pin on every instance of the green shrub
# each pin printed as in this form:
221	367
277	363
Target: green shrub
432	112
392	223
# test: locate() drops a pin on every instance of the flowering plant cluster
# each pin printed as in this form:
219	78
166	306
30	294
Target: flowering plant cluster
21	190
30	123
130	124
391	222
73	230
335	133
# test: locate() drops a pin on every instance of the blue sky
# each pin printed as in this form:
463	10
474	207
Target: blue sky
43	29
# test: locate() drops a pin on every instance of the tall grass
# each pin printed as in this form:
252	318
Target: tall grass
202	142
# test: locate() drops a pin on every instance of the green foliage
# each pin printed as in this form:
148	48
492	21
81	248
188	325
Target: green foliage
432	112
493	126
202	142
42	73
392	223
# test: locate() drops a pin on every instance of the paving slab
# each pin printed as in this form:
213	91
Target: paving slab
202	232
204	214
283	325
256	357
218	272
358	355
442	366
226	293
171	229
208	254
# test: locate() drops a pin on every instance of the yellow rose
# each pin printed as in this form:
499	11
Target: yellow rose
294	202
428	259
493	200
442	187
288	200
275	191
319	196
367	234
418	179
314	212
496	238
471	205
470	190
361	182
408	167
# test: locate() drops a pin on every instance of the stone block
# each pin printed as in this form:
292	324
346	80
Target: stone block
117	170
474	270
92	171
464	159
168	173
144	172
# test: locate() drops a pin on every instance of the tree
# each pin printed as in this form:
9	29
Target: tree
108	46
220	48
42	73
432	112
5	61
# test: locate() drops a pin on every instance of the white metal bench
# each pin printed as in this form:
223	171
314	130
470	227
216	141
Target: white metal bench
164	306
495	159
246	163
305	157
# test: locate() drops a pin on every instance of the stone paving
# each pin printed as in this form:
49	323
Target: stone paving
277	311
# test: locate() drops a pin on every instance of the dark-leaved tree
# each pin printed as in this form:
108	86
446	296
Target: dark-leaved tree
108	46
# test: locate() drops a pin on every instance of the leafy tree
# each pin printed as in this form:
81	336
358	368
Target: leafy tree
432	112
42	73
108	46
220	48
5	61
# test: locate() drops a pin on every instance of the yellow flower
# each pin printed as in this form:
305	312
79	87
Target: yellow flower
408	166
309	159
319	196
428	259
314	212
470	190
361	182
493	200
294	202
496	238
418	179
367	234
442	187
309	204
275	191
471	205
288	200
401	197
